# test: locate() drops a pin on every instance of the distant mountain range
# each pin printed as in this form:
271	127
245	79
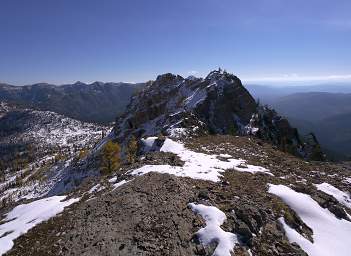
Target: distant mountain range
95	102
266	92
326	112
314	106
324	109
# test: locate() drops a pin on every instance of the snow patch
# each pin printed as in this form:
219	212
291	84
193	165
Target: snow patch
96	189
148	142
112	180
213	233
118	184
342	197
177	132
195	98
198	165
24	217
331	235
225	155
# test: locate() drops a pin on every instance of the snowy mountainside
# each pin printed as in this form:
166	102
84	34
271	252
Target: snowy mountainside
39	145
48	128
3	108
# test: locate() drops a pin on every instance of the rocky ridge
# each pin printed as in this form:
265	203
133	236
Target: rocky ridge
188	154
218	104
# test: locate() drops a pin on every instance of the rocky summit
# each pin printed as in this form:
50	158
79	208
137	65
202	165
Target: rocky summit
194	166
173	105
218	104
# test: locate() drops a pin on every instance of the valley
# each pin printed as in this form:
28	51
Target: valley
323	110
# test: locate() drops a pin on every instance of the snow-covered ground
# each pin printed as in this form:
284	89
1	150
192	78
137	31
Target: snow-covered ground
197	165
331	236
342	197
26	216
57	130
213	233
31	188
96	188
118	184
56	141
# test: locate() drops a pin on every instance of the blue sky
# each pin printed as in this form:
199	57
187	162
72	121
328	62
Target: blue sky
64	41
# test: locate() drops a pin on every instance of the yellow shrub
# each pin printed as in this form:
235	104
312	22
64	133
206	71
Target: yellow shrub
111	159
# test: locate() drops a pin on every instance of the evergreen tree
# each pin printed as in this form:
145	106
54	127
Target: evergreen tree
317	154
232	129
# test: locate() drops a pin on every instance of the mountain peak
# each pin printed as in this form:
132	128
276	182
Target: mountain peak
168	78
99	83
218	104
220	74
79	83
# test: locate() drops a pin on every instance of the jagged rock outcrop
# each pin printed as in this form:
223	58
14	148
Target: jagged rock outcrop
218	104
171	104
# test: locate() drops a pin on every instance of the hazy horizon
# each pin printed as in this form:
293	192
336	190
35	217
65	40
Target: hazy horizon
274	83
